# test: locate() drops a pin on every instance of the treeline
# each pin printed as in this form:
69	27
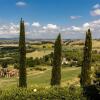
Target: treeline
45	60
73	56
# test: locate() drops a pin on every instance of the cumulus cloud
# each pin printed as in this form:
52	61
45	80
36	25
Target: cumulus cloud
9	30
75	17
74	28
50	30
79	30
50	27
93	25
95	12
27	24
86	25
36	24
12	29
21	3
96	6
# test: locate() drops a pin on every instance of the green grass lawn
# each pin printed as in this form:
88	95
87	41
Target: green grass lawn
41	78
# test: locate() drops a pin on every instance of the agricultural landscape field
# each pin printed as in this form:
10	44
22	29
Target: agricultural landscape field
40	74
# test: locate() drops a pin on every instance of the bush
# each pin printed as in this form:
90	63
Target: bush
92	92
40	68
16	66
4	64
45	60
41	93
30	62
74	55
37	61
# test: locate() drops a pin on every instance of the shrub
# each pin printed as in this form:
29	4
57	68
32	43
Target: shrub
30	62
37	61
4	65
92	92
42	93
40	68
16	66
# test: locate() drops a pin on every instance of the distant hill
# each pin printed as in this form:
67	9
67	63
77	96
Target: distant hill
28	39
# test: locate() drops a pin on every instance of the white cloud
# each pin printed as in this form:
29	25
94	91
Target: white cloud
21	3
36	24
86	24
9	29
27	24
93	25
75	17
74	28
44	27
96	6
51	30
50	27
95	12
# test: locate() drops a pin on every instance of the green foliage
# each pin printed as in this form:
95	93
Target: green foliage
92	92
96	76
22	57
48	59
56	69
30	62
95	57
45	60
74	55
37	61
4	65
40	68
77	55
16	66
7	60
86	67
41	93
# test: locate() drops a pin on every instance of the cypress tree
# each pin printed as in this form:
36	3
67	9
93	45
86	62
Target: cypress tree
56	69
86	66
22	56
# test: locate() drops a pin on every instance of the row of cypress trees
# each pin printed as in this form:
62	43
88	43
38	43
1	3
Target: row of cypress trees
57	58
85	78
56	70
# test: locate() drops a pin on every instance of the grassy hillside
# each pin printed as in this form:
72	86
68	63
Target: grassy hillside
41	78
38	54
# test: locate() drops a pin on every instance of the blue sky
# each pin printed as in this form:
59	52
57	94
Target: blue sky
46	18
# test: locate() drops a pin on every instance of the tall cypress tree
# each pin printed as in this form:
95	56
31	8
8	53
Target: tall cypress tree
22	56
56	69
86	66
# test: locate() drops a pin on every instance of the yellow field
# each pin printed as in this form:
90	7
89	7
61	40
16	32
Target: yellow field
38	54
7	45
95	44
47	45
